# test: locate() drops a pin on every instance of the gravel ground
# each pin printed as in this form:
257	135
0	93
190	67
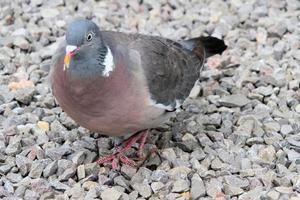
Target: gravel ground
238	137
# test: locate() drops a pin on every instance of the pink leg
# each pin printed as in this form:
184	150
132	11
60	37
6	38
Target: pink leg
118	155
142	143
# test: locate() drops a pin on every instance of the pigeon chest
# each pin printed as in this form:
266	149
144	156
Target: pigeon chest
114	105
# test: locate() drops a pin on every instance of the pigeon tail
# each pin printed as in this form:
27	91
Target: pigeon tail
212	45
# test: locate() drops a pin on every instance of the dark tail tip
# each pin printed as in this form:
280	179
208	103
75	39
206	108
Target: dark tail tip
213	45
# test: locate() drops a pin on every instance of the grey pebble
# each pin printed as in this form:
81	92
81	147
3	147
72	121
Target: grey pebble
143	189
265	91
80	172
68	173
286	129
91	169
14	177
110	194
58	185
25	95
157	186
159	176
197	187
37	169
180	185
50	169
234	100
29	194
13	148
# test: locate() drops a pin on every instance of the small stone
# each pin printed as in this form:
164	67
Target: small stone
49	12
198	154
92	194
273	195
68	173
80	172
160	176
14	178
57	153
156	186
24	164
24	95
143	189
91	168
36	169
64	164
213	187
265	91
236	100
252	194
279	49
13	148
284	190
88	185
232	190
214	119
128	170
197	187
50	169
294	85
77	192
13	86
58	185
121	181
133	195
19	32
180	172
20	191
111	194
29	194
267	154
292	155
143	174
286	129
48	51
297	108
168	154
195	91
271	126
43	125
261	36
180	186
217	164
78	158
236	181
8	186
4	169
212	73
40	185
277	30
190	142
21	42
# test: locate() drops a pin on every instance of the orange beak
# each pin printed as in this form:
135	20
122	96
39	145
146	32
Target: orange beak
70	49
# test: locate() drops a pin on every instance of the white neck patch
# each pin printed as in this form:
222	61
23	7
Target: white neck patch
108	63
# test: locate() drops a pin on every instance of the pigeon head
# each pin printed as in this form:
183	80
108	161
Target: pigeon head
86	52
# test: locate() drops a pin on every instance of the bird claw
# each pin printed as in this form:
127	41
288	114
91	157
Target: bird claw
115	159
118	155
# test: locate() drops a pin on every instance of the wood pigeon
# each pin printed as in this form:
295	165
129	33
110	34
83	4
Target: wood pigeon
118	84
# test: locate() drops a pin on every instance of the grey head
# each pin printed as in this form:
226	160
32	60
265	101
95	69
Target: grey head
86	52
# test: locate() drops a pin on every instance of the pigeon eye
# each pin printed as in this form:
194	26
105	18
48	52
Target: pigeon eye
89	37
